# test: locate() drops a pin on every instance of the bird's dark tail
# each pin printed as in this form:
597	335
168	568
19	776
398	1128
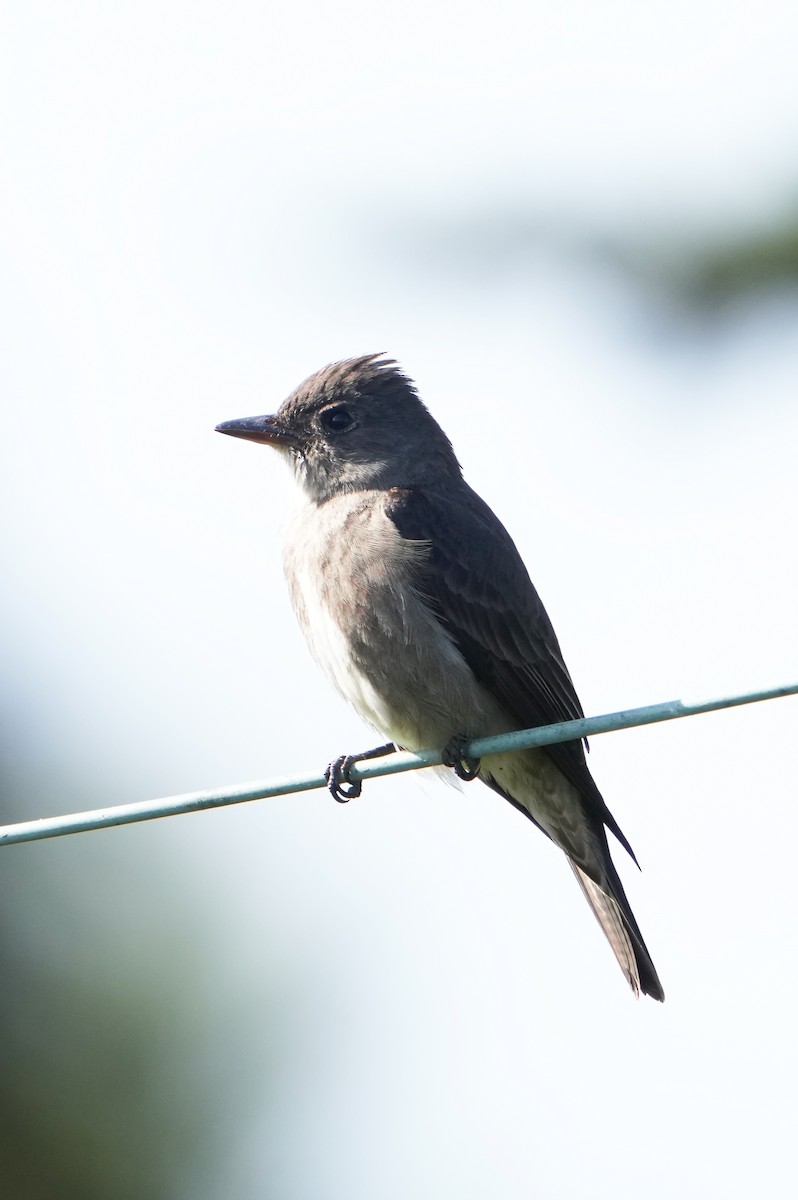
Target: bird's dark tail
615	917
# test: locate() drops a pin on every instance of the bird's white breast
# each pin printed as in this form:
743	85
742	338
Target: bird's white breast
332	649
352	582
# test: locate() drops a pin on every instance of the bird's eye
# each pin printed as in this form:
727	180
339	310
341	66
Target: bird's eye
337	419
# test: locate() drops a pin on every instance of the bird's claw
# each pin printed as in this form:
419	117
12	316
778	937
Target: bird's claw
464	767
340	786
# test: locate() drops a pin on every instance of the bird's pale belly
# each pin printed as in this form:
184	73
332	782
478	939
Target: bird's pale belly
416	689
388	655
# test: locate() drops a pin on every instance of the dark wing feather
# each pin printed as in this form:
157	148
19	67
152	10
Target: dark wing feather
479	587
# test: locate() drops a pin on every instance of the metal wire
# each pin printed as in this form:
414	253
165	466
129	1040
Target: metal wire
148	810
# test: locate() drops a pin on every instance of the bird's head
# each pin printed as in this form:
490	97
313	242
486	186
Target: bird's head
354	425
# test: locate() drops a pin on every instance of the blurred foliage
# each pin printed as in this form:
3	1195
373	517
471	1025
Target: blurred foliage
97	1097
139	1045
715	272
701	272
125	1071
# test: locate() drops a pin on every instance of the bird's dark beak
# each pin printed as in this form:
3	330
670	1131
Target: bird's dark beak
258	429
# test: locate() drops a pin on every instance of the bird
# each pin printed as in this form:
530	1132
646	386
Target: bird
419	609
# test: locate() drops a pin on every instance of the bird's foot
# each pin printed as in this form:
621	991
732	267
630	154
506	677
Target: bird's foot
340	786
464	767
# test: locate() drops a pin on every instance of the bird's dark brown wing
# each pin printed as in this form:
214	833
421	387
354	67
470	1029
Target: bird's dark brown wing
475	580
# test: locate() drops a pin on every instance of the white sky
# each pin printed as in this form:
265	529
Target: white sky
201	205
